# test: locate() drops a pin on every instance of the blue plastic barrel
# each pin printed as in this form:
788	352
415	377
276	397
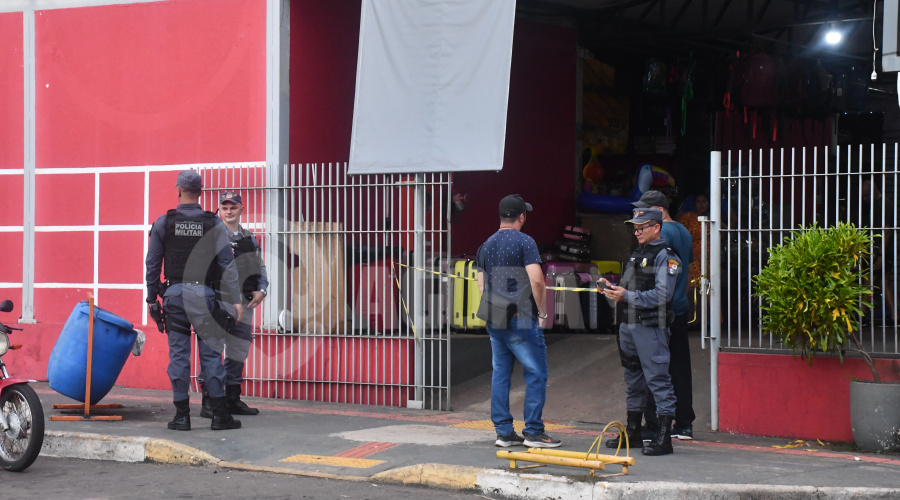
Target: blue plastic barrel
67	368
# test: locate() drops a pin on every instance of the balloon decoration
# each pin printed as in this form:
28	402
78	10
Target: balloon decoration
593	172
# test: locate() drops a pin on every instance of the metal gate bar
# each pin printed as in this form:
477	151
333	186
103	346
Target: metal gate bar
360	318
769	193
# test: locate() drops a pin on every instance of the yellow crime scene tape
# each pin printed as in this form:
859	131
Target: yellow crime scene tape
451	276
695	281
559	288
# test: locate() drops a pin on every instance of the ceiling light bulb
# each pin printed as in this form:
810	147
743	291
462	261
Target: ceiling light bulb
833	36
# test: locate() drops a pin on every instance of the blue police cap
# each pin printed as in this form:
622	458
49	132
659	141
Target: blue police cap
189	180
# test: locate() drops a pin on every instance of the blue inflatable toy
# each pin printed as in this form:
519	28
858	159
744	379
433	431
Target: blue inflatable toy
647	176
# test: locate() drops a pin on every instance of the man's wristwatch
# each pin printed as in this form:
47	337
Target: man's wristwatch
545	316
264	292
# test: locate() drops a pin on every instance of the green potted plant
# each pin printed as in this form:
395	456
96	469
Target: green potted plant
812	295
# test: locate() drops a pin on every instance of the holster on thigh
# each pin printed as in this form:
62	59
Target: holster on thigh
629	361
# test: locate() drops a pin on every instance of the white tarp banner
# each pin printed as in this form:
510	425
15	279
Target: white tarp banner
432	85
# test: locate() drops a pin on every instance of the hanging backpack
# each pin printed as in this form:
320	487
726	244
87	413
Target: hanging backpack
851	86
856	89
656	78
760	78
654	107
817	93
796	84
760	81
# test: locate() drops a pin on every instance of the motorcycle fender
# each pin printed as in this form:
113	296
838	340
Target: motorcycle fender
12	381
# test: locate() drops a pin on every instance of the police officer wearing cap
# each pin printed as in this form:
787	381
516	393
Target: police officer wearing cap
190	246
254	281
647	288
679	239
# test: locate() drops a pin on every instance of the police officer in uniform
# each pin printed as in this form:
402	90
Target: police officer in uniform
647	288
191	247
254	282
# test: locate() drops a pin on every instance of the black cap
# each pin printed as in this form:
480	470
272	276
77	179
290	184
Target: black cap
231	196
513	205
189	180
645	215
652	199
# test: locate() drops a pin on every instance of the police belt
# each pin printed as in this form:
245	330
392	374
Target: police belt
648	318
190	282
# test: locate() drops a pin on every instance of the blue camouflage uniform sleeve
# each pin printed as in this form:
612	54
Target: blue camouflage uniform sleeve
229	287
263	283
154	259
668	267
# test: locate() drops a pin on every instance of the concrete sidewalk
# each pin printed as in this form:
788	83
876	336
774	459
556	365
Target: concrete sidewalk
455	450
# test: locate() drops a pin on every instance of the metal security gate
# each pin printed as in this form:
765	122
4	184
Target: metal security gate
758	197
357	304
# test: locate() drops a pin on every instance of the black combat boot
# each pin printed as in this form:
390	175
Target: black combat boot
222	420
234	403
651	423
182	420
205	405
632	430
661	443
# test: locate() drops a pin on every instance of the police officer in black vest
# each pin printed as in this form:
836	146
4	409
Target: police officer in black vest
191	247
254	282
646	288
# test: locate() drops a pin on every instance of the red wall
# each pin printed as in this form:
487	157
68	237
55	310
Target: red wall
324	44
539	160
12	149
777	395
151	84
162	83
12	84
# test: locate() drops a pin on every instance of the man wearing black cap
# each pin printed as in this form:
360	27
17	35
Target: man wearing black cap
647	286
679	238
254	282
191	247
509	273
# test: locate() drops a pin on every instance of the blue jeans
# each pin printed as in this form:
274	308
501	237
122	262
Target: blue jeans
527	346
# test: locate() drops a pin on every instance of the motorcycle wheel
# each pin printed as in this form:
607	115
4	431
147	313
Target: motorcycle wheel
21	443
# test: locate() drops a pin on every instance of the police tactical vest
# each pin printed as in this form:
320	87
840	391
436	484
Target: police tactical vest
248	260
640	275
184	240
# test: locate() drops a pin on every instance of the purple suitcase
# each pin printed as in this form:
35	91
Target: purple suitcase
576	233
557	267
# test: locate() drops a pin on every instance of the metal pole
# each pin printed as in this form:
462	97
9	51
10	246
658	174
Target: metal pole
277	107
703	286
28	180
418	306
715	301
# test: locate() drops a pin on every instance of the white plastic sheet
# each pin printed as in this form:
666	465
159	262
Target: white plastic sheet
432	85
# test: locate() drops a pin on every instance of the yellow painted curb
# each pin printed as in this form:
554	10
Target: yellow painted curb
169	452
450	477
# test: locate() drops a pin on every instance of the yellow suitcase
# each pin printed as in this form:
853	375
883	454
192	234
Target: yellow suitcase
466	295
608	266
